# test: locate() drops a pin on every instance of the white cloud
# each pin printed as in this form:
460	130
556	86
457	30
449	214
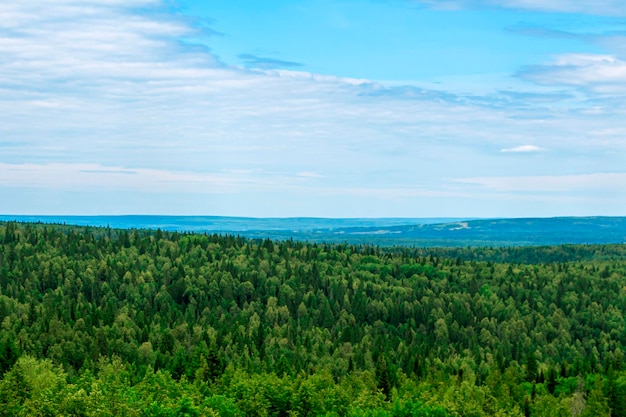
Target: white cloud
604	74
524	149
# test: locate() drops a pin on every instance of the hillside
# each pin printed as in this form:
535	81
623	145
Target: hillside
98	321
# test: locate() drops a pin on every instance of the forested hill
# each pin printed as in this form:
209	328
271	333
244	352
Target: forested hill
103	322
420	232
499	232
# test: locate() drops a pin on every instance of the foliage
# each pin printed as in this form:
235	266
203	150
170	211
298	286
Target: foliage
104	322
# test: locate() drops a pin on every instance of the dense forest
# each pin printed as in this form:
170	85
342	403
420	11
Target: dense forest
103	322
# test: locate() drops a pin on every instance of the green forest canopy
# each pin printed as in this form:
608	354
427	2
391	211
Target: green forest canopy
102	322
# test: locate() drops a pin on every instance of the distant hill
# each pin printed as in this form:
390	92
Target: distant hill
230	224
498	232
422	232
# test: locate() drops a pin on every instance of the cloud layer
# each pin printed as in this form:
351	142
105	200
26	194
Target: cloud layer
105	95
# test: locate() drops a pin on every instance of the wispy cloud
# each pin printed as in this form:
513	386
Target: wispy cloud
596	182
598	7
603	74
86	177
309	174
527	98
524	149
544	32
256	61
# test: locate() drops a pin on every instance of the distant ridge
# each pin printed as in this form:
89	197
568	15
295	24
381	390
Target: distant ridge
509	232
225	223
450	232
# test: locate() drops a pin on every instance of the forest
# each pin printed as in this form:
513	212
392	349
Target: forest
105	322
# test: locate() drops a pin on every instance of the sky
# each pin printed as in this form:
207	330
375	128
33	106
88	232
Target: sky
370	108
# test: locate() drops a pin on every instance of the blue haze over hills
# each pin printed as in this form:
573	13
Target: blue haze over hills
379	231
226	224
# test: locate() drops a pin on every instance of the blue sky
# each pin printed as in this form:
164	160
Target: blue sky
381	108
